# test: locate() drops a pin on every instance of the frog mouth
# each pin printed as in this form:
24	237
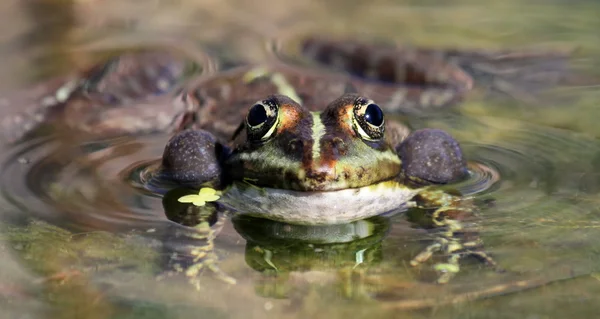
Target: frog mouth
318	207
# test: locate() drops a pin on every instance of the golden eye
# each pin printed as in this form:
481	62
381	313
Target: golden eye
261	120
368	119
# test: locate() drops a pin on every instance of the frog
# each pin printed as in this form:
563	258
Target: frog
290	164
251	131
334	166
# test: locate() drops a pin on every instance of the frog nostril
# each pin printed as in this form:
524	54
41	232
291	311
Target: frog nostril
338	146
295	145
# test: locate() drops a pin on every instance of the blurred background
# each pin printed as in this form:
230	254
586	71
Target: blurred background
540	136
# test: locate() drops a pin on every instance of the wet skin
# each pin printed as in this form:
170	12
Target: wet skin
335	166
289	164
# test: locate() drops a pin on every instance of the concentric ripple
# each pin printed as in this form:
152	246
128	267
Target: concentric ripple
82	184
543	183
107	184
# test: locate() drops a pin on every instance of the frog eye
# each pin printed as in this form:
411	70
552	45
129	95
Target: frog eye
368	119
261	120
374	115
257	115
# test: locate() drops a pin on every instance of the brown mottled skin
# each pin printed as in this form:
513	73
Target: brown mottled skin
334	167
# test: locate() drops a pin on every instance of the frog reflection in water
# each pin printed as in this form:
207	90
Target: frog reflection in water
313	146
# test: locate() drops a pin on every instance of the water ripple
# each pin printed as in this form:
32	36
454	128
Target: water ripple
107	184
81	184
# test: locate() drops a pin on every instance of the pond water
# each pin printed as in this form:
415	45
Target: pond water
82	235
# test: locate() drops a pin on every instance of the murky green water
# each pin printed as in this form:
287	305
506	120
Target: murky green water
79	240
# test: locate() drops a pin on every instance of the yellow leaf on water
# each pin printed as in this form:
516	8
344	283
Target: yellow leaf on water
205	195
208	194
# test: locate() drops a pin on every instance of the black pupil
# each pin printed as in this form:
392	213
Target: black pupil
257	115
374	115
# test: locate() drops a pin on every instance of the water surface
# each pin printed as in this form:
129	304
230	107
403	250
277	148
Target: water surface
82	239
